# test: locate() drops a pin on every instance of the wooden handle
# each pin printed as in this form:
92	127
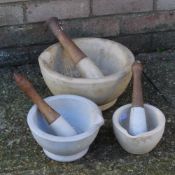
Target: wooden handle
137	95
74	51
50	114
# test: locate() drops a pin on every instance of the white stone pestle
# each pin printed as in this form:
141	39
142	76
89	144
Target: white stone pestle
137	120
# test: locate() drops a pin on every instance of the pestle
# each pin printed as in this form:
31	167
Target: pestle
137	120
84	65
56	122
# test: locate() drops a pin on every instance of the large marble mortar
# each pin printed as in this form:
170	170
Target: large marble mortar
113	59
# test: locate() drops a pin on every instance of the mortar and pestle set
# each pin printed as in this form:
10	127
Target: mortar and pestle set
66	125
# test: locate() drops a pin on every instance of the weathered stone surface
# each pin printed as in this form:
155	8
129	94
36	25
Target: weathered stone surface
7	1
137	43
11	14
20	36
143	42
165	4
20	154
93	27
19	56
163	40
144	23
104	7
42	10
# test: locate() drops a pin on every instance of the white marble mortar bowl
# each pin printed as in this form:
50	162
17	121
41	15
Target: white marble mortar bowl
144	142
113	59
83	114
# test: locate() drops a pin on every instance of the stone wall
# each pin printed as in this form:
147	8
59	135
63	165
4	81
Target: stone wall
142	25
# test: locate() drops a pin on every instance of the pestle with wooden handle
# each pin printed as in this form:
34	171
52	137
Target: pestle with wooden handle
56	122
137	120
84	65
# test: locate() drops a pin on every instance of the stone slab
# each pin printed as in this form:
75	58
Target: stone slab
63	9
106	7
165	5
11	14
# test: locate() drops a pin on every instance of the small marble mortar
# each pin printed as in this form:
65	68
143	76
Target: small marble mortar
83	115
142	143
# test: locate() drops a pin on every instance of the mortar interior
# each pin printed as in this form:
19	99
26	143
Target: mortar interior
109	56
79	114
152	120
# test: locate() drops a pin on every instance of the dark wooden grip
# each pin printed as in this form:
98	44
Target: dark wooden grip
50	114
137	95
74	51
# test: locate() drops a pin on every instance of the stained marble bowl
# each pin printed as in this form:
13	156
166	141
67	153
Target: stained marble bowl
113	59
